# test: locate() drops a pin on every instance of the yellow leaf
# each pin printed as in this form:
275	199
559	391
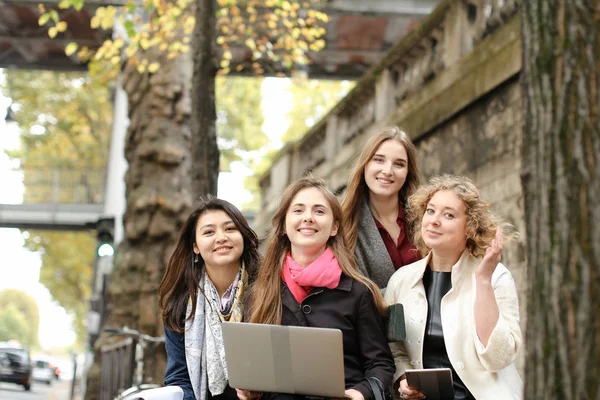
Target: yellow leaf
144	43
141	68
43	19
71	48
250	43
52	32
185	49
220	40
130	51
115	60
227	55
153	67
95	22
224	63
61	26
163	46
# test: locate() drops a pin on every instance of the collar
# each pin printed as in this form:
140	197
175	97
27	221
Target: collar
399	219
465	265
345	283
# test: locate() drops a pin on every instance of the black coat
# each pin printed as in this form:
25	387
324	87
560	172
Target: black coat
350	308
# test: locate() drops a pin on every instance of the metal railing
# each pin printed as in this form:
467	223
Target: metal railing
59	185
118	364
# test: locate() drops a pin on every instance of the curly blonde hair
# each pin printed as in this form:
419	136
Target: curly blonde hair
481	220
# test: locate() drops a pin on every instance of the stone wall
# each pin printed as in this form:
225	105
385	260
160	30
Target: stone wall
483	142
453	85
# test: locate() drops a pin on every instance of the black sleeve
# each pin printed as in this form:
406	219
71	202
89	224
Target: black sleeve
177	372
374	346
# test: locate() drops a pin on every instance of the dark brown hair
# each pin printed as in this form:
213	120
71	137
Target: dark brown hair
180	283
357	186
265	297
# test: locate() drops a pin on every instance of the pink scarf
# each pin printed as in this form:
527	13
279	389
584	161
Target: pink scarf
323	272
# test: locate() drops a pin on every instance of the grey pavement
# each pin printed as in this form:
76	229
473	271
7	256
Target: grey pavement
58	390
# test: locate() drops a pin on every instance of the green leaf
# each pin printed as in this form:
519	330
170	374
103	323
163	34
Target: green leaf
43	19
77	4
54	16
129	28
64	4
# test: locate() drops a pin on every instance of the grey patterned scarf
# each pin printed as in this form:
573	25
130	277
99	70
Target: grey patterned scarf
204	351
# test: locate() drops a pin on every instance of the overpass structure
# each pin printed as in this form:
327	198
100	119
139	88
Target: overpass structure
57	199
358	34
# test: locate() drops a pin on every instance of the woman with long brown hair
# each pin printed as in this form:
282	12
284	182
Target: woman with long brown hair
374	205
215	258
308	267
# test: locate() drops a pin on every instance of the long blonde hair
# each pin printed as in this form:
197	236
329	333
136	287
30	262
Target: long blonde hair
265	296
357	186
481	220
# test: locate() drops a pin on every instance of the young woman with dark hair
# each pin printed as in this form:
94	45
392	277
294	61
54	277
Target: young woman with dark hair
307	263
374	205
215	258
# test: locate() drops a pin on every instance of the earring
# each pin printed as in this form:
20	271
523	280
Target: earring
196	259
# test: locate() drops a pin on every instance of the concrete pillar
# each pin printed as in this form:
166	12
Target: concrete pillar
383	96
332	142
114	193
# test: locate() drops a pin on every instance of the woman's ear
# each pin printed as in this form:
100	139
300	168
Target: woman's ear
334	229
196	250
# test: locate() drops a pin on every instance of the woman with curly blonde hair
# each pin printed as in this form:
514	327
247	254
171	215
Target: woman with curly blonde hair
464	311
374	217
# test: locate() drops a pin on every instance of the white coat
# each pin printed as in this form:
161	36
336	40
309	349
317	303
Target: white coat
487	371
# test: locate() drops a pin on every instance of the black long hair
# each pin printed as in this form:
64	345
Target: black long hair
182	277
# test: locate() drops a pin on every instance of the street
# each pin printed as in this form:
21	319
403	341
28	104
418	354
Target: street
59	390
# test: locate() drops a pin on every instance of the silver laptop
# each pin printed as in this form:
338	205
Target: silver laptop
284	359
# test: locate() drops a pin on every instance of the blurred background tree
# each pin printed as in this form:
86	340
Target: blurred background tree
19	317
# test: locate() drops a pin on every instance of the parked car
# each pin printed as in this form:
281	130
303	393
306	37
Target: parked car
56	371
15	365
42	372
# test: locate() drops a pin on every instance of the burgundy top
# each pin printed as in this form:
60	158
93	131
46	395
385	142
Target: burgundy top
403	252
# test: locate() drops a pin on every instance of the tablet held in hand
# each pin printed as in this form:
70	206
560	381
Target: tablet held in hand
435	383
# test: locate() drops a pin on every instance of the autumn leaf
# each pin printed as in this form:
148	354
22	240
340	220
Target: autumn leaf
71	48
43	19
61	26
153	67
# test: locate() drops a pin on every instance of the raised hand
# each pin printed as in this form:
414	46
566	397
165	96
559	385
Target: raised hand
493	255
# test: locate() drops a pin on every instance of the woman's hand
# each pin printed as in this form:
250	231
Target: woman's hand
407	393
247	395
354	394
492	257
